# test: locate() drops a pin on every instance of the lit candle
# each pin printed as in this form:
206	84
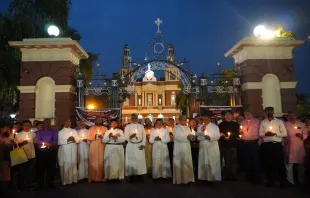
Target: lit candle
97	131
295	127
43	145
270	128
71	133
149	131
27	137
241	127
170	129
228	134
240	136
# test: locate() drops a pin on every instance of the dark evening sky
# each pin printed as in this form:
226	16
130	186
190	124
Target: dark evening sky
201	30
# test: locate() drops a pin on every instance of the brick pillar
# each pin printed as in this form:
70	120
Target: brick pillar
267	73
47	80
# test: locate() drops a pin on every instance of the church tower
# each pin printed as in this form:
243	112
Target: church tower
172	73
126	61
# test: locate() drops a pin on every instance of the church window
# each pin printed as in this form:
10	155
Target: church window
172	99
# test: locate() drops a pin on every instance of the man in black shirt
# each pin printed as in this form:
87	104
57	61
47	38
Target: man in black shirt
228	146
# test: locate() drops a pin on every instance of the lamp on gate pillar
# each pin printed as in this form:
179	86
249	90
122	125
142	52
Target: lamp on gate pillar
203	85
80	88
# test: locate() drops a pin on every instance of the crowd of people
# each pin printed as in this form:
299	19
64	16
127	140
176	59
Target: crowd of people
189	150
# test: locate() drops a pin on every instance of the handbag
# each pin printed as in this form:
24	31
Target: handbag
18	156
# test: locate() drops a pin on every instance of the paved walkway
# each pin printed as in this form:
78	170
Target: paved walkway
162	189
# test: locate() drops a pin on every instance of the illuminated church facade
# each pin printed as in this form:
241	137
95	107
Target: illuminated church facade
154	97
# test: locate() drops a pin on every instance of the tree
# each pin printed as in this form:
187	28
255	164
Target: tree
30	19
282	33
223	78
86	66
183	102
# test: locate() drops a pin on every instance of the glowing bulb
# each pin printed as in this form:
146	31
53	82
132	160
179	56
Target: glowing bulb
53	30
259	30
91	106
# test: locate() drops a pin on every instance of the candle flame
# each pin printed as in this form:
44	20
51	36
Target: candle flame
240	136
240	127
295	127
228	133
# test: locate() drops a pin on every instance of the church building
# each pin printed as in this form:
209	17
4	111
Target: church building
154	97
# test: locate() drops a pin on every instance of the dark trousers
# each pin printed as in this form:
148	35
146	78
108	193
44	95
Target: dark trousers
251	152
195	155
229	162
273	160
170	149
26	174
241	156
46	166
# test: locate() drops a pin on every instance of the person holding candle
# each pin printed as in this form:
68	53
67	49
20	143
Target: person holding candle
183	171
195	144
209	162
294	148
6	145
26	140
170	127
96	151
249	131
160	154
47	140
148	147
114	152
67	154
135	164
83	151
272	130
229	131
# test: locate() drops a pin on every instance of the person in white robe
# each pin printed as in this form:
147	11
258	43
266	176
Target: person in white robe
160	155
183	171
135	163
67	154
83	150
114	152
209	162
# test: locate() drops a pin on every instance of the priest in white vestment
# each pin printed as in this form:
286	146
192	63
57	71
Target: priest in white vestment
114	153
160	155
83	150
135	163
183	172
209	163
67	154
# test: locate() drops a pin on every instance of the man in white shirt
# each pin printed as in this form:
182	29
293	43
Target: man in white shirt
26	139
272	130
135	163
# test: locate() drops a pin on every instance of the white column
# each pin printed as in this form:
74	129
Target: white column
143	98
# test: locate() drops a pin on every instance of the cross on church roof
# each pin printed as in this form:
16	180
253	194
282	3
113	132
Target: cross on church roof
158	22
